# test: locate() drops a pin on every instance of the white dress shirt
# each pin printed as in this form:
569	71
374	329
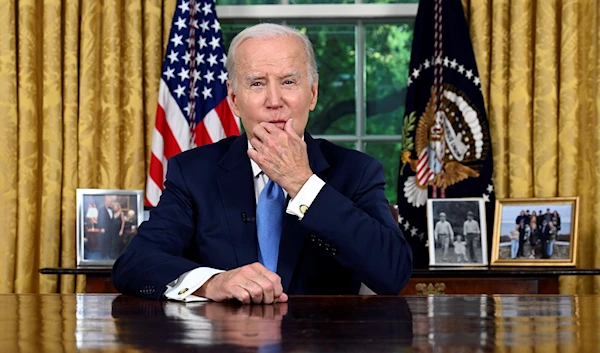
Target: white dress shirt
182	288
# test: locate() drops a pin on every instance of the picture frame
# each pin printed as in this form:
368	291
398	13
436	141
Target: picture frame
452	241
107	220
532	244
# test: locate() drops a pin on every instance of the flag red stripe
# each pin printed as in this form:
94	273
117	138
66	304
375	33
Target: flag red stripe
156	171
202	136
224	112
171	147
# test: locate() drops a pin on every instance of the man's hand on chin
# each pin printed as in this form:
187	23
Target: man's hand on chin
282	155
252	283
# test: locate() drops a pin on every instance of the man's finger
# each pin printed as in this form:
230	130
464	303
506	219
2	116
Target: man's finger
276	280
271	129
255	290
267	288
289	128
259	131
241	294
283	298
257	144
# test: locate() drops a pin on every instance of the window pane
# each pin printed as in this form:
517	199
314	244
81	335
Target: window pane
247	2
387	59
389	155
230	30
335	112
350	145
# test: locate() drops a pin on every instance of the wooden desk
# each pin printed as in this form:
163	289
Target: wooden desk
496	280
504	280
113	323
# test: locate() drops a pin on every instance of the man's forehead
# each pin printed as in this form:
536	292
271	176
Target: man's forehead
277	50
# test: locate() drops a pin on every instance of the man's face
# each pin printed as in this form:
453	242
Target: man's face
273	83
470	217
442	218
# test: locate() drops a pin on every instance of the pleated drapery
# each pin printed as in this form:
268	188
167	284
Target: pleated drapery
538	62
79	81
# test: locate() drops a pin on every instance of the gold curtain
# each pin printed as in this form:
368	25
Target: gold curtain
79	80
538	61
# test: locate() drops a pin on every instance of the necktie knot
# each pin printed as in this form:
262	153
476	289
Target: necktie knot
269	224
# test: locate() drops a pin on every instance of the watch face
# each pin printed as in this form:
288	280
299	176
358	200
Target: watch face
303	208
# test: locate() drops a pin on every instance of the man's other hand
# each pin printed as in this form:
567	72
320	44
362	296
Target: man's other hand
282	155
252	283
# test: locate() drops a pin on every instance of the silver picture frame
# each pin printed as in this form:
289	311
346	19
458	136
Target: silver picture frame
107	220
455	243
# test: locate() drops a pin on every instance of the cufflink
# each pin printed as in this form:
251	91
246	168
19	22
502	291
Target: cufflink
181	292
303	209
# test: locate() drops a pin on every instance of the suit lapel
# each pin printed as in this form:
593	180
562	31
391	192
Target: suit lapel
236	187
292	237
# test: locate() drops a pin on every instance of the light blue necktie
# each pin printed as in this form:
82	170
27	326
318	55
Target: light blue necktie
269	223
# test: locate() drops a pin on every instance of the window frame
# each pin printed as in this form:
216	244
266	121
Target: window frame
357	14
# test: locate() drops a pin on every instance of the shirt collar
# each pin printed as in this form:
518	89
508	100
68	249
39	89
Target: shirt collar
255	168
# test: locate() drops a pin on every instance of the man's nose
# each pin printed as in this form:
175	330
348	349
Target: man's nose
274	100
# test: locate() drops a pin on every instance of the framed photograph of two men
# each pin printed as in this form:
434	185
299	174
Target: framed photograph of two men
107	220
457	232
535	232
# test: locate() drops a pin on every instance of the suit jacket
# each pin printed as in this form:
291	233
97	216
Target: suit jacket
104	220
347	236
544	233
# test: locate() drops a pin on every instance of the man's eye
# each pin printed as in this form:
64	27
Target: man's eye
256	84
288	82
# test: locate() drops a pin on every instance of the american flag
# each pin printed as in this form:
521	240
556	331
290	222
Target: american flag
192	98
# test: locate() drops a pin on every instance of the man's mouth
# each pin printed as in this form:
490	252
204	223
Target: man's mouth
279	123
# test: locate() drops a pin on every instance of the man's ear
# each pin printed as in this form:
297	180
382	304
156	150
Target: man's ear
232	99
314	90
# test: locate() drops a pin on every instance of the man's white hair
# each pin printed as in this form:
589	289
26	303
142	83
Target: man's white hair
264	31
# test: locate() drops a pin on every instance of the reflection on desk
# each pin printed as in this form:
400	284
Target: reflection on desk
107	323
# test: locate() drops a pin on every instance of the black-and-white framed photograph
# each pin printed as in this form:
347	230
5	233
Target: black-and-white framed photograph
107	220
457	232
535	232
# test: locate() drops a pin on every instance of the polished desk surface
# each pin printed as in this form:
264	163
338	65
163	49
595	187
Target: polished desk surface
432	272
114	323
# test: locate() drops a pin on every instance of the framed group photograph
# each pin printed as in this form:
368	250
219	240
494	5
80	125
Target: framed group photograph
107	220
457	232
535	232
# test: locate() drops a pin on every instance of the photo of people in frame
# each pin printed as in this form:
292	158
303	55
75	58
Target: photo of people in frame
535	231
109	221
457	232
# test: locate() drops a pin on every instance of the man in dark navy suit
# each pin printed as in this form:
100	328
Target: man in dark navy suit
274	211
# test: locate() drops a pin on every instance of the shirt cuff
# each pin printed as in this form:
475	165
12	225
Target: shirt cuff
182	288
305	197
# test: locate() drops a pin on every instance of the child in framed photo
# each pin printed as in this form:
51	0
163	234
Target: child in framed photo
457	232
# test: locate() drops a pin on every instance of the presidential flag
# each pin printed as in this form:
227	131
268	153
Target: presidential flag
446	147
192	97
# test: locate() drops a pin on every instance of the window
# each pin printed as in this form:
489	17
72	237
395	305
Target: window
363	56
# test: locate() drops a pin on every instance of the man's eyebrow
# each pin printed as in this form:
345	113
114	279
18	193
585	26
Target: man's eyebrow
251	78
291	74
